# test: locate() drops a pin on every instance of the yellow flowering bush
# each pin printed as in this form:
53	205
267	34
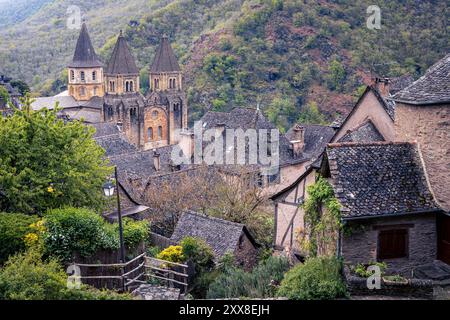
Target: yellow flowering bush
35	238
31	239
172	254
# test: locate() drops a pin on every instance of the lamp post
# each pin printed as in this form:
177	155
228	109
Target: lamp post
108	189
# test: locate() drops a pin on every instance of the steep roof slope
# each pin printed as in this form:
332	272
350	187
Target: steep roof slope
432	88
377	179
121	61
85	56
165	60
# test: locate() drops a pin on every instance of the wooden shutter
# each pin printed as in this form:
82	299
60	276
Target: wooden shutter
393	244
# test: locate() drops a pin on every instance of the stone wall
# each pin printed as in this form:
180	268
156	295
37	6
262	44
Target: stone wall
361	245
430	126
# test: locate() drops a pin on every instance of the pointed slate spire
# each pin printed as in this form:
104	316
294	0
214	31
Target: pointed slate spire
85	56
122	61
165	60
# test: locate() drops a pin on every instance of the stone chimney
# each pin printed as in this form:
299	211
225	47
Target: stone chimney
298	140
220	128
382	85
156	160
186	143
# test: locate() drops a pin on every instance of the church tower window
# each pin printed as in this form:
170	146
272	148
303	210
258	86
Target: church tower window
72	75
82	91
82	76
150	133
159	133
112	86
94	76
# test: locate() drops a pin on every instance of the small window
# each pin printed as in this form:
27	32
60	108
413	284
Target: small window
131	86
82	91
156	85
159	132
82	76
94	76
392	244
112	86
150	133
155	115
72	75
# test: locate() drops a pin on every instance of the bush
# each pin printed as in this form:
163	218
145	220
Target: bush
13	228
262	282
82	231
26	277
317	278
199	252
172	254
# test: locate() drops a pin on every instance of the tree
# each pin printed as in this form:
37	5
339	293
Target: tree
4	96
311	115
336	75
47	163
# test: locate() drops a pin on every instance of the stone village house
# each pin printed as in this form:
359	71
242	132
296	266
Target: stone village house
395	192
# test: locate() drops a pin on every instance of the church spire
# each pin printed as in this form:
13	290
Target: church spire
85	56
122	61
165	60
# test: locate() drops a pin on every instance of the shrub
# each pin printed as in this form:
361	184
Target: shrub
82	231
317	278
172	254
199	252
262	282
361	269
73	230
26	277
13	228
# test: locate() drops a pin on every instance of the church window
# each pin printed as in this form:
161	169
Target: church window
155	115
126	86
131	86
156	84
133	114
176	107
95	91
94	76
72	75
110	112
82	76
112	86
82	91
150	133
159	132
172	83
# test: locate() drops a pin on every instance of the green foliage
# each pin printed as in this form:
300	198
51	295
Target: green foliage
153	251
336	75
13	228
26	276
262	282
45	163
172	254
322	219
361	269
310	114
82	231
317	278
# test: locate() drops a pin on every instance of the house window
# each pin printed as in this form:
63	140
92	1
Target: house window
72	75
150	133
392	244
94	76
159	132
82	76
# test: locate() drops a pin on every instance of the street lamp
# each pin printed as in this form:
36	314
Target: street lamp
108	189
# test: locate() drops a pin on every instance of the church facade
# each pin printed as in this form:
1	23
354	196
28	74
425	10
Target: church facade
111	93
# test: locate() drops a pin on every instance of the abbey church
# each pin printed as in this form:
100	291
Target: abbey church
111	93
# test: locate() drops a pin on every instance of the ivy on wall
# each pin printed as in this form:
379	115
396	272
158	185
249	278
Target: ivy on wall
322	220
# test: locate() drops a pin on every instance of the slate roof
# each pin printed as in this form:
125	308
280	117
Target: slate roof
432	88
365	132
399	83
222	235
379	179
165	60
85	56
121	61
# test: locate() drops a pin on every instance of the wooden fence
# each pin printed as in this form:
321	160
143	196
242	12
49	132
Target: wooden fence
140	270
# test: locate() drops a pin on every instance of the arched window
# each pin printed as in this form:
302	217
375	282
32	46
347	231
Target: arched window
172	83
150	133
95	91
94	75
82	91
156	84
126	86
72	75
112	86
82	76
155	115
131	86
159	132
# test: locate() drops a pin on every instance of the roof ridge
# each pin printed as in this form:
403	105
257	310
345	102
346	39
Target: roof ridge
369	144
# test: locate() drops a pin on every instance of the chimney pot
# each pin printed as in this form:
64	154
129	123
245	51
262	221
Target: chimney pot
156	160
